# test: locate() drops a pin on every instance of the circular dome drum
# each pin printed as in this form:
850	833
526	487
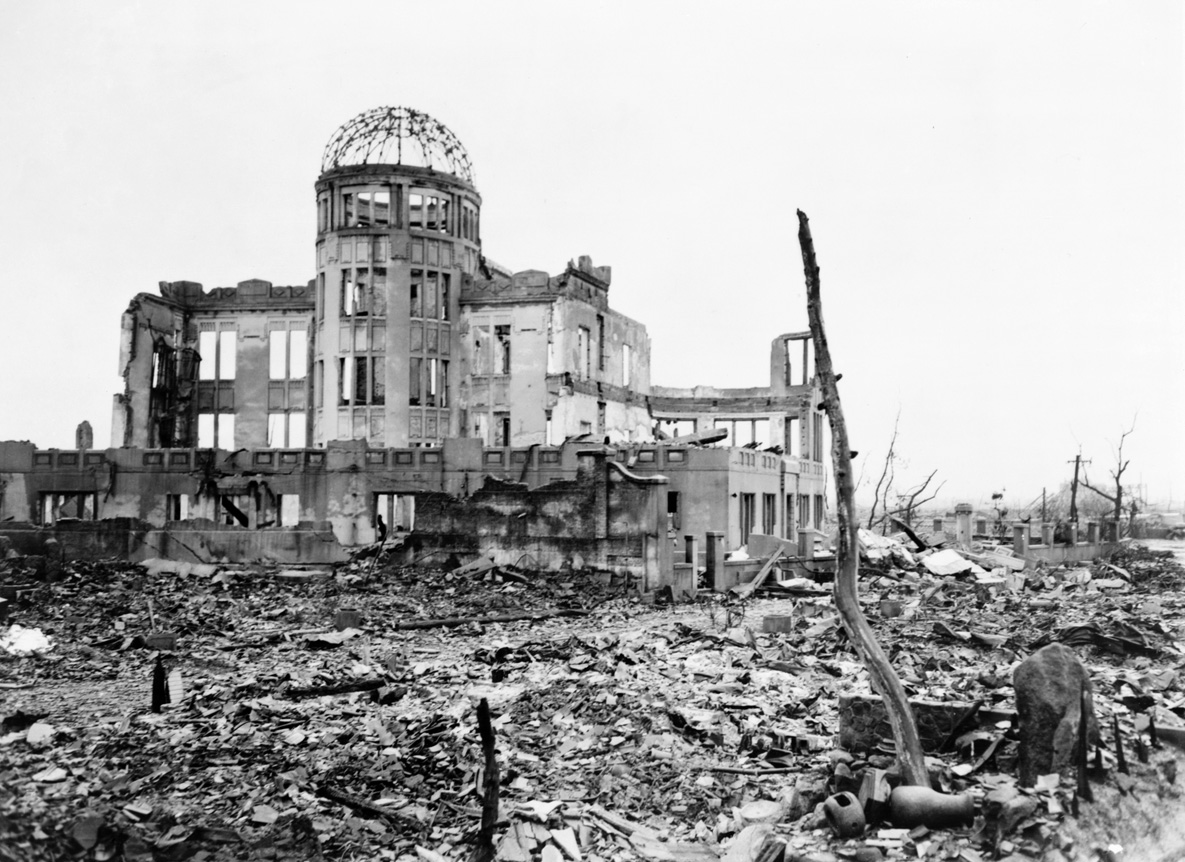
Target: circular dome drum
397	136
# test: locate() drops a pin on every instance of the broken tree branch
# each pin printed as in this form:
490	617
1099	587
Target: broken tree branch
884	678
886	472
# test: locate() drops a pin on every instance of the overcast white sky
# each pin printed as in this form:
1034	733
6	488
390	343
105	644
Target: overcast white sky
995	190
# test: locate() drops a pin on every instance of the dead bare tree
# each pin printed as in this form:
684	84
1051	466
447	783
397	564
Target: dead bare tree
881	497
884	678
911	502
1116	499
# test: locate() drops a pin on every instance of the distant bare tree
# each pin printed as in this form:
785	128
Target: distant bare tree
1116	499
908	503
880	497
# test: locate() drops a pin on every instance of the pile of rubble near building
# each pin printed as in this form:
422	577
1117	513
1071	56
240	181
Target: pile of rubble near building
178	711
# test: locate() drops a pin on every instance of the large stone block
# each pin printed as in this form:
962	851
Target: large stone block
1051	686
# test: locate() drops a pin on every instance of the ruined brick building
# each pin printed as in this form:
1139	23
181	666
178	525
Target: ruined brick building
411	369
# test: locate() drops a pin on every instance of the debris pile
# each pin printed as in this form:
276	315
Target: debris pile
304	716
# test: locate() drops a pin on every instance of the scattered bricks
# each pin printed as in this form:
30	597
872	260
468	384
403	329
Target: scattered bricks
863	722
777	623
347	619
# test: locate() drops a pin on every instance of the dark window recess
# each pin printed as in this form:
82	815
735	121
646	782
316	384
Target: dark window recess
748	514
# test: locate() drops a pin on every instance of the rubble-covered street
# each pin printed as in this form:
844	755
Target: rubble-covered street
624	730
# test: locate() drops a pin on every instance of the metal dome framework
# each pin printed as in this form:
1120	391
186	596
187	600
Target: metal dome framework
390	135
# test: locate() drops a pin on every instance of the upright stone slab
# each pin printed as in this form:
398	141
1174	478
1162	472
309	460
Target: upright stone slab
1049	687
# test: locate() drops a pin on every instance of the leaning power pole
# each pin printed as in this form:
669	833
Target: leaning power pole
1074	488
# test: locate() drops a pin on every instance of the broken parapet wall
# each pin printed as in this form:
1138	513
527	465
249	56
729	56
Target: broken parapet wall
606	519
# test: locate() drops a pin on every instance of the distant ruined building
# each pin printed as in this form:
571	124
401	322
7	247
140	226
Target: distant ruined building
410	367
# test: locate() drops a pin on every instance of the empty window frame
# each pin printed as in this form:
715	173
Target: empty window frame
397	511
583	352
788	523
480	427
753	433
501	349
469	221
234	510
428	211
363	291
59	505
818	511
674	513
288	354
600	342
365	208
362	381
501	430
804	511
817	438
430	294
793	446
287	430
287	510
769	514
216	431
176	507
427	382
217	352
748	511
482	346
627	365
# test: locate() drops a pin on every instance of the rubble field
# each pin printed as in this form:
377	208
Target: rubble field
333	714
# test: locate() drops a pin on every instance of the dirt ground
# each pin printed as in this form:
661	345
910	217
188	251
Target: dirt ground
623	730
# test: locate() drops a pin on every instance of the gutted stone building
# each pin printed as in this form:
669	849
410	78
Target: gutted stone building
411	365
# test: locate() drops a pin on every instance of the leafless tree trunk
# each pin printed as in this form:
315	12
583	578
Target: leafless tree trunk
1116	499
884	678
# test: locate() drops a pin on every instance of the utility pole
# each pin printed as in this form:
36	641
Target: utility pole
1074	488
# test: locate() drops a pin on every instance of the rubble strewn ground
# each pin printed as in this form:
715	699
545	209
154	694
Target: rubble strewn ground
623	730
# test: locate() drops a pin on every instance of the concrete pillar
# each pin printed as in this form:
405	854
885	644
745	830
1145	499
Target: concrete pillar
963	523
1074	533
1046	534
981	526
806	544
1020	538
590	467
715	560
1092	532
691	550
938	525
